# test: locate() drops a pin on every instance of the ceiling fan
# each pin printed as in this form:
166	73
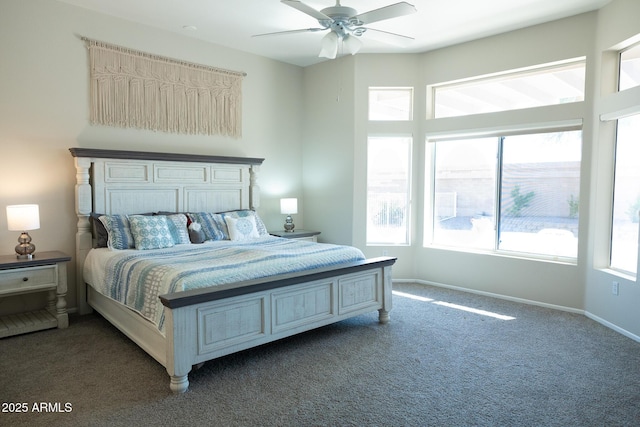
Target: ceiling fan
345	25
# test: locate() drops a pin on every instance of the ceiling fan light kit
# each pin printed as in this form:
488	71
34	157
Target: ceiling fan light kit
332	42
329	46
351	45
345	25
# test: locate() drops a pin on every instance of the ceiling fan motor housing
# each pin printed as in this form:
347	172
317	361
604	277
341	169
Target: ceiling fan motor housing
339	12
342	21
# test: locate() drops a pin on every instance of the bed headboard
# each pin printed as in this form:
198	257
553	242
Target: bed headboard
129	182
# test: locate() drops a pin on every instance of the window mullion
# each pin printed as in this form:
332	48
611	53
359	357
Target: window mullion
431	188
498	186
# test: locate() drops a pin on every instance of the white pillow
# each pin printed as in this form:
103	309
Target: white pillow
242	228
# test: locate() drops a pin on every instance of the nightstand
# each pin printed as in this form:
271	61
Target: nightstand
297	234
46	272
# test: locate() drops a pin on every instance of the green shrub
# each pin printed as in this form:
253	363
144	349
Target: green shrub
520	201
633	210
574	207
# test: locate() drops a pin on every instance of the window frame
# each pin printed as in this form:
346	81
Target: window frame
620	53
432	89
430	187
409	89
618	270
408	191
618	105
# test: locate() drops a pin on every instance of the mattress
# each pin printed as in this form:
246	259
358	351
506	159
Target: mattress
136	278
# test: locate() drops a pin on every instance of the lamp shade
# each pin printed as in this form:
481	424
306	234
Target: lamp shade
289	206
23	217
352	44
329	46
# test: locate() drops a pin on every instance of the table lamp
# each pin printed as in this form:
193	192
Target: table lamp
289	207
23	218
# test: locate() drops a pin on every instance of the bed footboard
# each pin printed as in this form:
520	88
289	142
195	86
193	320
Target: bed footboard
202	325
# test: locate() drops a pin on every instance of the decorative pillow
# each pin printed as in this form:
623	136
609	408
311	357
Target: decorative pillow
178	227
243	213
167	213
150	232
196	235
262	229
117	227
99	231
242	228
213	225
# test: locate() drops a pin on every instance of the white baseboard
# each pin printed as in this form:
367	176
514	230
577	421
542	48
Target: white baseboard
529	302
492	295
612	326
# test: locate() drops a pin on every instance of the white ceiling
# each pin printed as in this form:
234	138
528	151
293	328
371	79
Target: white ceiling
437	23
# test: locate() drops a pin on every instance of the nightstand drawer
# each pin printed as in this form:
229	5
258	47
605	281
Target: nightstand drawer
23	279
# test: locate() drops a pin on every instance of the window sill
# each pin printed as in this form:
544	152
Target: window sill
618	274
512	255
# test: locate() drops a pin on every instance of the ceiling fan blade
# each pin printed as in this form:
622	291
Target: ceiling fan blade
279	33
387	37
387	12
306	9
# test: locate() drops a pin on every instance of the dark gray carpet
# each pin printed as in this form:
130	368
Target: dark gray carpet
432	365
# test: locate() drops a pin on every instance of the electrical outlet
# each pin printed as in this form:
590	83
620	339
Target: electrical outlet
385	252
615	288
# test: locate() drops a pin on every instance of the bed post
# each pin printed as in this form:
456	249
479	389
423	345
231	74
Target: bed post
254	188
180	324
83	235
383	313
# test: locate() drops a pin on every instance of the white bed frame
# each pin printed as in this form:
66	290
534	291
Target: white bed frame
205	324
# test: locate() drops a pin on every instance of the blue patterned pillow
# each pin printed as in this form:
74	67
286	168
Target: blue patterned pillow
117	227
177	224
213	225
150	232
242	228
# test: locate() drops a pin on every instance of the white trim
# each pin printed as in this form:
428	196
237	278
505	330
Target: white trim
612	326
492	295
621	104
528	302
620	114
505	130
513	72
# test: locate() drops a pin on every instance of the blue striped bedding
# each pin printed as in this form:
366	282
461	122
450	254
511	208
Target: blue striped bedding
136	278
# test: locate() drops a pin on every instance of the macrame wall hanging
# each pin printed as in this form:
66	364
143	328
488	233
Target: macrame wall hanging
133	89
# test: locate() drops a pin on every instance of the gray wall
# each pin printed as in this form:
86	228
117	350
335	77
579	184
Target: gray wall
44	111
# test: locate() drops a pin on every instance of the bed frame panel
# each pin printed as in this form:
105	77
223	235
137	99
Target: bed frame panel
204	324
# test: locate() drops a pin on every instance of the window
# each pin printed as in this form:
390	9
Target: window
629	68
626	197
549	84
388	190
465	193
540	192
390	103
515	193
